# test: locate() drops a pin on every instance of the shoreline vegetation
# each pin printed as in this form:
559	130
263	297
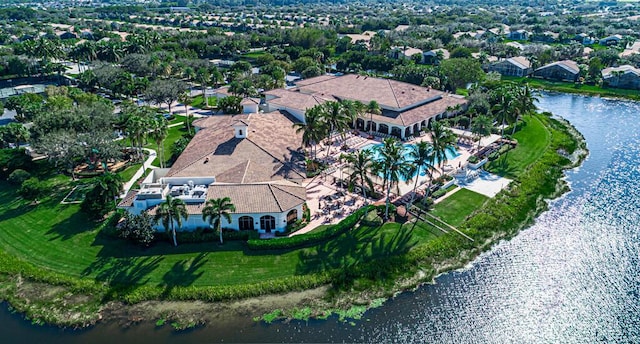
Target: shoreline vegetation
576	88
341	276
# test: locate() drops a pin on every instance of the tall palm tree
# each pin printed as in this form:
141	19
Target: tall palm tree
372	108
360	164
336	118
185	98
353	109
394	166
313	129
217	209
158	133
172	212
504	107
422	156
481	127
524	103
443	140
136	128
202	77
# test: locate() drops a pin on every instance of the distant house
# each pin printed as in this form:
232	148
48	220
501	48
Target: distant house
404	53
611	40
518	35
566	70
584	39
431	57
625	76
87	34
515	66
67	35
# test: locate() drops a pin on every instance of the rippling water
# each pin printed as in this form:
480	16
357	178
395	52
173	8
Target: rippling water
573	277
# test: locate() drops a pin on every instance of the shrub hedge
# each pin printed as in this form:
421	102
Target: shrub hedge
309	238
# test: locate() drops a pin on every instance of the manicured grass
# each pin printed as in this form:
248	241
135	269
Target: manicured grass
569	87
532	141
173	135
455	208
198	102
128	172
62	239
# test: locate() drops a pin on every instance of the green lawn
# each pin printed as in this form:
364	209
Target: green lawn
128	172
61	239
173	135
455	208
198	102
532	141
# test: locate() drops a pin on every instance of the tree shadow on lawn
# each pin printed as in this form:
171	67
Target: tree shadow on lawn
183	273
122	274
71	226
353	248
502	167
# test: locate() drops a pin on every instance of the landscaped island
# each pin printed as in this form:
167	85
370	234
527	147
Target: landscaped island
57	266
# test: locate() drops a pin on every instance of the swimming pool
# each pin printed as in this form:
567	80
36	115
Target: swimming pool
375	150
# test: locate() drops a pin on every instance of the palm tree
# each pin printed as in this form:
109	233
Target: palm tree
422	156
443	140
172	212
524	103
313	129
360	164
481	127
202	77
504	107
110	185
353	109
185	98
158	133
373	108
17	132
217	209
336	118
394	166
137	127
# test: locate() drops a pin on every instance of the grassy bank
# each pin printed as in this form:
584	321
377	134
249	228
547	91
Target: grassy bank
58	267
569	87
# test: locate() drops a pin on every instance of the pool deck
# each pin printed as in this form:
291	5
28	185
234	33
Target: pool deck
329	203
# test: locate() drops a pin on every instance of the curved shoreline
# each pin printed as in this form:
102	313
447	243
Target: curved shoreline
32	297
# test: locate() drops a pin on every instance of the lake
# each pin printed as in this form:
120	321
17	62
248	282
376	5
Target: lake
572	277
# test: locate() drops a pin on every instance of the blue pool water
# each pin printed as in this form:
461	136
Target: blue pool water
375	149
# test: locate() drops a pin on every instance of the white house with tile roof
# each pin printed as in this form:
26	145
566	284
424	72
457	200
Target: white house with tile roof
255	160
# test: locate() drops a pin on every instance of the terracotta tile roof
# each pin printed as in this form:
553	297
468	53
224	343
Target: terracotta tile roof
315	80
250	101
422	113
127	201
270	151
260	198
294	99
389	93
606	73
192	209
520	61
570	66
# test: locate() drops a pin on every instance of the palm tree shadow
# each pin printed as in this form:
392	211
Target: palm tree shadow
122	274
183	273
502	167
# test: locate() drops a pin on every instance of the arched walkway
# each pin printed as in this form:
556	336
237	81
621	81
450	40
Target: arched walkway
383	128
360	124
245	223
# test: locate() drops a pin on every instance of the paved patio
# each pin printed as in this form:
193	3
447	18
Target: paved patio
485	183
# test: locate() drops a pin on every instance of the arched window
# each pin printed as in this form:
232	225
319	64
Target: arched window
267	223
245	223
292	216
383	128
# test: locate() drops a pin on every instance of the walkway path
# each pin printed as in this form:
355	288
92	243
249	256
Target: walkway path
147	163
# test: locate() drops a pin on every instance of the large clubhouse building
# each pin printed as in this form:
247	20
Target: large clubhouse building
256	159
406	108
